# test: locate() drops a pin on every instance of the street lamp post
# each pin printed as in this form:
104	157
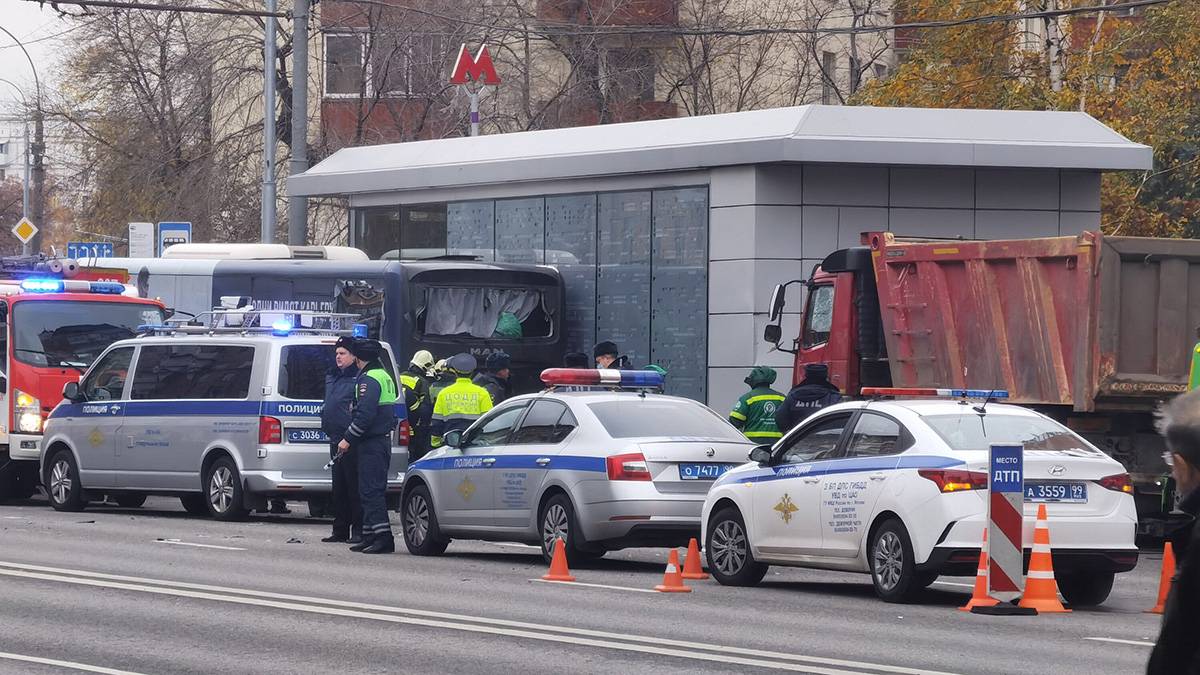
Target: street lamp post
37	150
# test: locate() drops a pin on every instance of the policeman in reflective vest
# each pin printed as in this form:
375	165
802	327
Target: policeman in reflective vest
461	403
415	381
369	434
754	413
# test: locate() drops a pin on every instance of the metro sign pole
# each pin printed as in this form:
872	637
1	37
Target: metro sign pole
473	74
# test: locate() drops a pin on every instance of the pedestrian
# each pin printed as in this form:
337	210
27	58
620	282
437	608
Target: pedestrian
336	415
814	392
460	404
494	377
415	382
369	434
608	356
576	360
754	413
1177	651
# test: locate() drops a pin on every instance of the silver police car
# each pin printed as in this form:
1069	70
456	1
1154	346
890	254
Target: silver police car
602	469
224	420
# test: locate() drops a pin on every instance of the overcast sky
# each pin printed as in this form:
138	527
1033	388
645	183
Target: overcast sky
34	26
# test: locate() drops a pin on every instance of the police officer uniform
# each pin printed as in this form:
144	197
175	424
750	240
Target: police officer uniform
415	381
498	387
369	434
754	413
336	415
814	392
460	404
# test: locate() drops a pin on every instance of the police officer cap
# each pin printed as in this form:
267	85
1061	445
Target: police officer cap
366	349
498	361
462	363
605	348
345	342
816	371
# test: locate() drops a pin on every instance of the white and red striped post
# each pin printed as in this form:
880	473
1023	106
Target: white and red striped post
1006	518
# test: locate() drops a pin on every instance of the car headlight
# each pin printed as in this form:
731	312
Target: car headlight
27	411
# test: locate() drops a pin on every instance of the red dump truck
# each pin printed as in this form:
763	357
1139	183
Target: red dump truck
1094	331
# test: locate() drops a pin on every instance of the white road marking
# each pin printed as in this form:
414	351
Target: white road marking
176	542
954	583
580	583
64	664
563	634
1140	643
523	547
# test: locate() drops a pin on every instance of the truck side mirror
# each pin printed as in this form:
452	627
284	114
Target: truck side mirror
777	301
772	333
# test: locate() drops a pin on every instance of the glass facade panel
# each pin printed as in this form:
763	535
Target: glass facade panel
521	230
377	230
423	231
679	290
623	282
471	228
571	247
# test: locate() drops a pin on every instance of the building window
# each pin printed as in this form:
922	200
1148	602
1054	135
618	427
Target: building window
3	148
631	74
881	71
828	72
344	67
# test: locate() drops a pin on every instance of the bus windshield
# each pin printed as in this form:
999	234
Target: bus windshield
53	333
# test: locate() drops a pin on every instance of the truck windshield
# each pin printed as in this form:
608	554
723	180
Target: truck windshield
979	432
303	368
504	313
644	418
53	333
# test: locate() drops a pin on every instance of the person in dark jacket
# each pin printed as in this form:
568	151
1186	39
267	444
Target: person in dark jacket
814	392
335	417
494	377
415	382
576	360
1177	651
608	356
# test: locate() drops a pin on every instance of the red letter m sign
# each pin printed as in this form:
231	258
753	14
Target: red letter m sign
478	69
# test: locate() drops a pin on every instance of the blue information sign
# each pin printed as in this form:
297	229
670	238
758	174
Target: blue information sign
89	249
170	234
1007	469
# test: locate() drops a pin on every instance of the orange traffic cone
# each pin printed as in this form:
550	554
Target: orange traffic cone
1041	591
558	564
1164	581
979	596
691	563
672	580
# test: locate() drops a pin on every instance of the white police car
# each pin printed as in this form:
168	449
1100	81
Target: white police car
898	488
603	469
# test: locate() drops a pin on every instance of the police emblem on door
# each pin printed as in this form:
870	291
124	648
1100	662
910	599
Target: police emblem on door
466	488
786	508
95	438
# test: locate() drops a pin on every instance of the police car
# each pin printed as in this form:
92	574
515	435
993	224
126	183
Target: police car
222	417
601	467
898	489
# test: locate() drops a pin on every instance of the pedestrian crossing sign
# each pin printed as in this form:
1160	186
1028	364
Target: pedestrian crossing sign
24	230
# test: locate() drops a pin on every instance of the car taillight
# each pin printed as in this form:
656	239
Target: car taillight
270	431
955	480
628	467
403	433
1118	482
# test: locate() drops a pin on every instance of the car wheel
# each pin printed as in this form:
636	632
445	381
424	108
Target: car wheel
419	522
1085	589
893	569
62	483
558	521
730	560
223	490
130	500
194	504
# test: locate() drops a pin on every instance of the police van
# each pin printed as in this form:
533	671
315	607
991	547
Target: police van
223	416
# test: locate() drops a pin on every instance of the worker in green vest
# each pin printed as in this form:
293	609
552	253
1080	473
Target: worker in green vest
754	413
1194	372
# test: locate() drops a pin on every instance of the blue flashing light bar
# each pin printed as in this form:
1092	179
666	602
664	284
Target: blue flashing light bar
281	328
42	285
935	393
110	287
358	330
625	379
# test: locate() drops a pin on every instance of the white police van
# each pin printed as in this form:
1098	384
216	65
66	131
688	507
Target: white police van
224	417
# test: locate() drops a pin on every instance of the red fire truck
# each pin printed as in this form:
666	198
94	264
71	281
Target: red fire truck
55	319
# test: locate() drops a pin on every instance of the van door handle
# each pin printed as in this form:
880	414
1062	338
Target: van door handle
878	476
488	461
814	479
542	461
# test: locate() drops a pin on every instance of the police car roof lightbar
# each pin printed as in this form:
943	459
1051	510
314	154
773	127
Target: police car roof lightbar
625	379
934	393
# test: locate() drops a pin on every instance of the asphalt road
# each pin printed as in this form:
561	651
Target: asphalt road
153	590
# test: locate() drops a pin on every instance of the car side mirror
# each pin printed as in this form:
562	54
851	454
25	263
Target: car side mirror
761	454
71	392
453	438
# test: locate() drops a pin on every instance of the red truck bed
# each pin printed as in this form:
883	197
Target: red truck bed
1089	322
